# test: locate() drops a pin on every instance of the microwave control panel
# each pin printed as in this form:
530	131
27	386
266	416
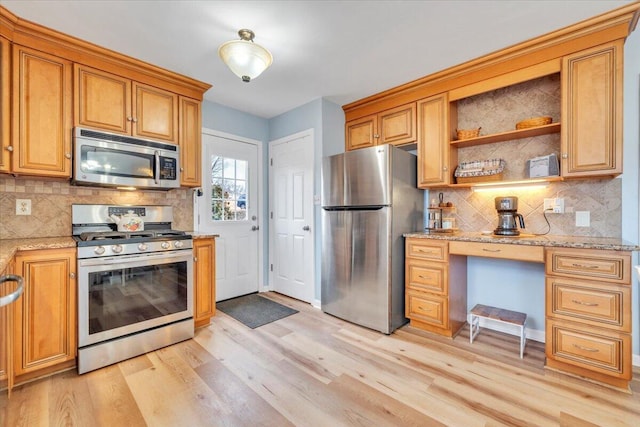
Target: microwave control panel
168	167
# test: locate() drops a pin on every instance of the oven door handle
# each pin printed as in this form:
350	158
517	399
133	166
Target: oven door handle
165	256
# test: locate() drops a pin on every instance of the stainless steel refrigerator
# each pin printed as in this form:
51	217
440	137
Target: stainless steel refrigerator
369	200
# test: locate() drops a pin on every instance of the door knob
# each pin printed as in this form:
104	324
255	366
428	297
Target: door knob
255	228
306	228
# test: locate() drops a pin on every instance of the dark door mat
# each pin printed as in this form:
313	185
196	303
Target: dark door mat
254	310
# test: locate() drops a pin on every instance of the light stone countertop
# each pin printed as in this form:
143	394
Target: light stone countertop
580	242
9	247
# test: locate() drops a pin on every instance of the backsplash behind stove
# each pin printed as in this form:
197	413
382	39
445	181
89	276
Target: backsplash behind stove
51	202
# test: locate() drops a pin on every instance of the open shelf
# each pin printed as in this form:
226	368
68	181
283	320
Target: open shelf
525	181
507	136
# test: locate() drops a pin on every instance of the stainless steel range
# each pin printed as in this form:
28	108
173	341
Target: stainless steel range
135	288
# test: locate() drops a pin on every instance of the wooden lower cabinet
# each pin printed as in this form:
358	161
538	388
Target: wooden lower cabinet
204	256
435	287
588	314
45	317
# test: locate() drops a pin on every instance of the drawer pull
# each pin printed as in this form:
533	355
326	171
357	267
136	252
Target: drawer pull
588	304
421	308
490	250
588	267
422	277
591	350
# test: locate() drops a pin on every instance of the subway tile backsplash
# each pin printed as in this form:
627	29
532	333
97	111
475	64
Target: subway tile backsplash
51	202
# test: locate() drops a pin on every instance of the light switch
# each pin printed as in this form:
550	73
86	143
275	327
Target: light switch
583	219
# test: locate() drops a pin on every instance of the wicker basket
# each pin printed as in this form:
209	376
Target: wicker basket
533	122
479	171
466	134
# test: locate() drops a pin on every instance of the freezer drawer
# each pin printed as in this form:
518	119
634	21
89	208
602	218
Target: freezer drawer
356	283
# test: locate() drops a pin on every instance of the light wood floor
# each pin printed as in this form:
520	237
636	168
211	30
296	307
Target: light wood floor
311	369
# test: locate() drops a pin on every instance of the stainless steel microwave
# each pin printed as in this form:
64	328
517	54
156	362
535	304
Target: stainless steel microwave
113	160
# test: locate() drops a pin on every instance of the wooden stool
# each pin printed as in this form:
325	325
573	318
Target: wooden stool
500	315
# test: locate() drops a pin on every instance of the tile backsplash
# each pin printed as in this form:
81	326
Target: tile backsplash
51	202
602	198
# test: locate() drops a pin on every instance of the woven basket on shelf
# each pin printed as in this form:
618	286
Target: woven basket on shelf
533	122
483	178
466	134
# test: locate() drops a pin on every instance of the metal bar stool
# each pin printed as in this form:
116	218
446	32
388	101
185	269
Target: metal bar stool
6	300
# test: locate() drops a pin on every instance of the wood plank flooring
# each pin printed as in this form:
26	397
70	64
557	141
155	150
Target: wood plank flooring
312	369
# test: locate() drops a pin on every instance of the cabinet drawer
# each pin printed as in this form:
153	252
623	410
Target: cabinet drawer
597	304
428	308
498	250
591	348
427	276
592	264
427	249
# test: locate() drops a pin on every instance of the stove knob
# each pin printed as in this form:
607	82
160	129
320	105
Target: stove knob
178	244
165	245
143	246
116	249
99	250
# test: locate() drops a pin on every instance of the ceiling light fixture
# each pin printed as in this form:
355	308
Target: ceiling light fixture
245	58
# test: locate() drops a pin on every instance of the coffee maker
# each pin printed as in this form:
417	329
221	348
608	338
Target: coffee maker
507	208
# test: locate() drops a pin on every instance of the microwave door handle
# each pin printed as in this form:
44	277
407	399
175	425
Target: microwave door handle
157	167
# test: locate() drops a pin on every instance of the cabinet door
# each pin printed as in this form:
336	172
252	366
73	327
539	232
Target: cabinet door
433	141
205	280
592	111
5	100
102	100
361	133
156	113
45	317
398	125
42	115
190	142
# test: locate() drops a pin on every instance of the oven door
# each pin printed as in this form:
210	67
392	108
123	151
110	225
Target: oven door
121	295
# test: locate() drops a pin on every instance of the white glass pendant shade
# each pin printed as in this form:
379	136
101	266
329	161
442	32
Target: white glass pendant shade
244	58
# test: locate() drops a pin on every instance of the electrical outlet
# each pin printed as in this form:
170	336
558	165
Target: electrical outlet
23	207
548	204
559	206
583	219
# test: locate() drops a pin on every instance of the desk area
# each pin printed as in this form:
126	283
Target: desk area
587	294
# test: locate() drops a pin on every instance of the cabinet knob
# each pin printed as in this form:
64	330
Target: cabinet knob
565	156
10	148
181	169
135	120
67	155
129	119
195	259
72	275
375	135
445	168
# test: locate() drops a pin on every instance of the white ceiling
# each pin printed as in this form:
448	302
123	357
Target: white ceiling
340	50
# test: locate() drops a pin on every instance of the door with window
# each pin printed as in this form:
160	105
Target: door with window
229	208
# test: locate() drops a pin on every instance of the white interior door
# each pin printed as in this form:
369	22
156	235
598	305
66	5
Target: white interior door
292	235
229	208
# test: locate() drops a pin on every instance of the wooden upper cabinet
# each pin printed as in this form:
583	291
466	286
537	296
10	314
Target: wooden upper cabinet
361	133
592	111
204	253
190	142
395	126
45	316
156	113
116	104
398	125
434	154
5	101
93	91
42	115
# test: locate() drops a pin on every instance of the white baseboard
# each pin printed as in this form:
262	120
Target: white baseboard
316	304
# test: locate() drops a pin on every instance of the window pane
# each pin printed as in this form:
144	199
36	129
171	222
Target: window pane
229	189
